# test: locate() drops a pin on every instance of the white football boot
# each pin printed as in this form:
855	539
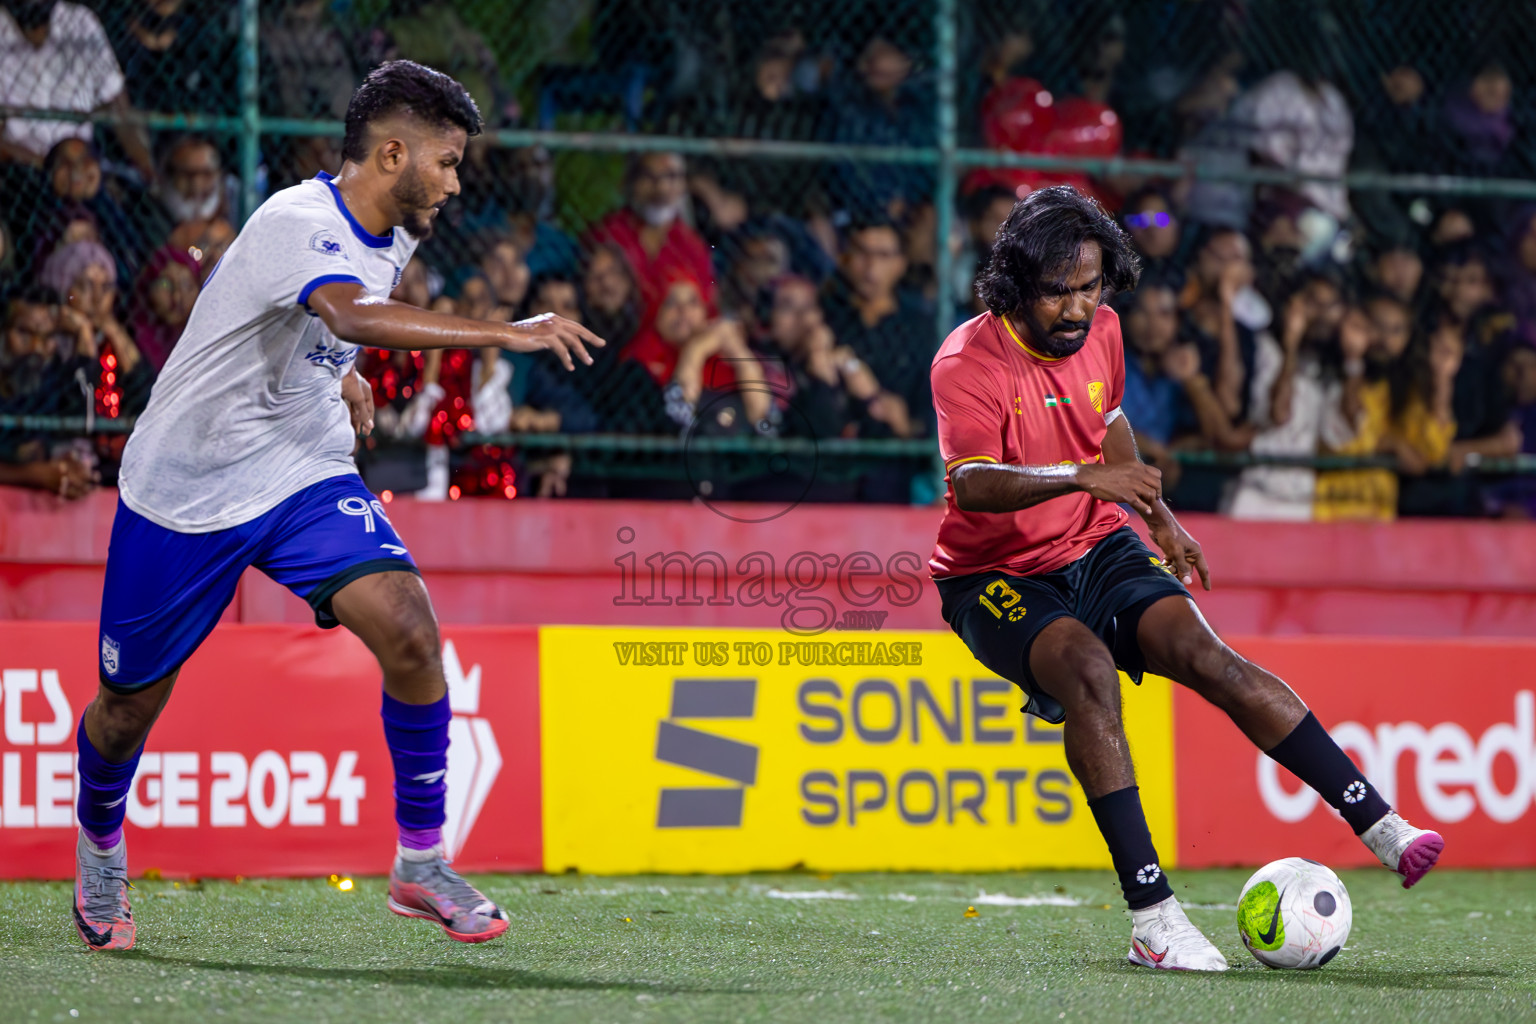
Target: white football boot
1163	937
1409	851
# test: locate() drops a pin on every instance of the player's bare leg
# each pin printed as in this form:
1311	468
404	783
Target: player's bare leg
1178	643
1071	664
391	613
112	733
119	723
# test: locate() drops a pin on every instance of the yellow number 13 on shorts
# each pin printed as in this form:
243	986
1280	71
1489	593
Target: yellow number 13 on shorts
1007	597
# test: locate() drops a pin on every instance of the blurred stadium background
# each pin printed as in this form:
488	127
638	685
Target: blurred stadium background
1339	195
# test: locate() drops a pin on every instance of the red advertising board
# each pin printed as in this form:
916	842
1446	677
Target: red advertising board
1445	729
270	757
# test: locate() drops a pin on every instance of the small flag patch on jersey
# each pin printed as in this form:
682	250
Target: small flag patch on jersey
1052	401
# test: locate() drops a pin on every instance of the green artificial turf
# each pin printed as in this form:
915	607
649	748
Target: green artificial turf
1044	946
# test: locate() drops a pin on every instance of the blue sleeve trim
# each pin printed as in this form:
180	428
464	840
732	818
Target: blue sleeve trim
318	282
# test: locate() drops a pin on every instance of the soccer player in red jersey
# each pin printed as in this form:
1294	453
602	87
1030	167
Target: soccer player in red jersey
1049	587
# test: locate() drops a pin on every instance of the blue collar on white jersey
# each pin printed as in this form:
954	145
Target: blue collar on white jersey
362	233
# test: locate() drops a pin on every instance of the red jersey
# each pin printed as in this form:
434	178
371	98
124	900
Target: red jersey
999	400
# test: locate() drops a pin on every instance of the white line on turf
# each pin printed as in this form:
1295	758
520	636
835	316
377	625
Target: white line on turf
983	898
809	894
993	899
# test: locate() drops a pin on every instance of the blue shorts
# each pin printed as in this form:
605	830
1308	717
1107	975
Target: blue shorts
999	614
165	590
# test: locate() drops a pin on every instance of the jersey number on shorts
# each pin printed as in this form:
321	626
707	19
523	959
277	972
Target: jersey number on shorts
364	509
1007	597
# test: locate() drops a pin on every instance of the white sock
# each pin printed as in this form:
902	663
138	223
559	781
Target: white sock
418	856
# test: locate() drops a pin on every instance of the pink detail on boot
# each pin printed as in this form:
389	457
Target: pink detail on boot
1420	856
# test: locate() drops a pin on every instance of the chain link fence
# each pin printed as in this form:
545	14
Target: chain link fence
772	209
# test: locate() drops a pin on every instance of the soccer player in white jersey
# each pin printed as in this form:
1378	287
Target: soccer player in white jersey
244	457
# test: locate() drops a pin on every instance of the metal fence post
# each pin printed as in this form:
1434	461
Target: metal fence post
944	193
946	186
250	107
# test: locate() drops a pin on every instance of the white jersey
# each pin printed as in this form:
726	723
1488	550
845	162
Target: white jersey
248	409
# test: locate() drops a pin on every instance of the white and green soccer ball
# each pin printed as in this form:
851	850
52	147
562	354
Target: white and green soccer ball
1294	913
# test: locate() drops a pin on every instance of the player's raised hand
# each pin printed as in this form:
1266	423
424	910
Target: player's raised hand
1130	483
567	339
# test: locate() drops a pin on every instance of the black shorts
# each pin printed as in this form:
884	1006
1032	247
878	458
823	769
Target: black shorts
998	614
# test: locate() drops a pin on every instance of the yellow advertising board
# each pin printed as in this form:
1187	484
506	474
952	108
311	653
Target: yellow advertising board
716	750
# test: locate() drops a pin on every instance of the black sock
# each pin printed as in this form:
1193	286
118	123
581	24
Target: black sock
1124	827
1311	755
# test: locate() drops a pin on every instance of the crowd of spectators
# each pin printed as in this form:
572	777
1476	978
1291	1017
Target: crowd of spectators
796	299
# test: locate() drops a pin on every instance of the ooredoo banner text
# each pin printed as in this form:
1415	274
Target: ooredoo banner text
1445	729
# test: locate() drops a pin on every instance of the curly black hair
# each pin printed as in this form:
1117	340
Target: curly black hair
405	87
1038	243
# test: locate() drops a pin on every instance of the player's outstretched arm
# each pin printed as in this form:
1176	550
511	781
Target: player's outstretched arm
987	486
354	315
1181	553
993	487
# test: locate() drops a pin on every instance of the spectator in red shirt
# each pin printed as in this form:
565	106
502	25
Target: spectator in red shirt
687	353
651	233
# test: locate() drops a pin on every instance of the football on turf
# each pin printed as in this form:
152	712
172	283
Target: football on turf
1294	913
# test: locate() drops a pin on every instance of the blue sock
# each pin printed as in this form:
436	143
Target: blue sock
103	799
417	735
